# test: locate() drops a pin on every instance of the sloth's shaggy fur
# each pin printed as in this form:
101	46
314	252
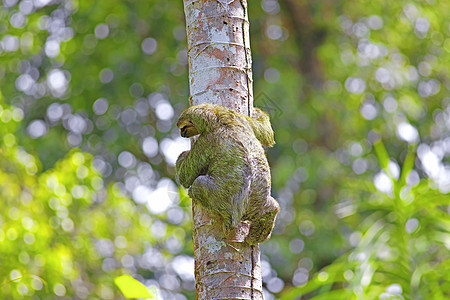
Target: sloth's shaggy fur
227	170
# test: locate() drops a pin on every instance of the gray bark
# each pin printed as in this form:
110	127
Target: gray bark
220	72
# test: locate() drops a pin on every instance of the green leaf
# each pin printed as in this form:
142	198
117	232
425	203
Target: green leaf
382	154
333	274
408	164
131	288
334	295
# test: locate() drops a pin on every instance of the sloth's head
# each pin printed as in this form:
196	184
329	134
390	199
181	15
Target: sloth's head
199	119
187	128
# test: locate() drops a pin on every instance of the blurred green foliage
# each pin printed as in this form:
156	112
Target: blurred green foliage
358	95
131	288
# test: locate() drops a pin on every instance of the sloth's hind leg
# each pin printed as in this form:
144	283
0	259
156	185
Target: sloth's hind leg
206	191
262	223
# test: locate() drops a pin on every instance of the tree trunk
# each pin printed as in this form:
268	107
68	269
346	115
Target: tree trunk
220	72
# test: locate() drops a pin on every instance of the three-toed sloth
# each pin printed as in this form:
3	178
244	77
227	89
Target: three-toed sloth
226	169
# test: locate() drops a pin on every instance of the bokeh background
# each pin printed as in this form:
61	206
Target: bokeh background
358	93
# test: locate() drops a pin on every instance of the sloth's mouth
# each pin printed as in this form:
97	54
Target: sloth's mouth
185	130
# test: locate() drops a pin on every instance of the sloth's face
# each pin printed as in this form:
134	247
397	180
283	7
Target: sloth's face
187	128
